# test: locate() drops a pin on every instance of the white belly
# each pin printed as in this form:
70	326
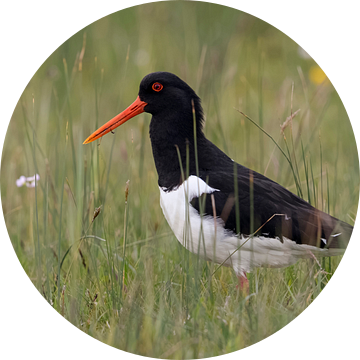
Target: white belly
208	238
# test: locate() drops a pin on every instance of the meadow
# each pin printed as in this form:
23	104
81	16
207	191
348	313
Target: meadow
121	276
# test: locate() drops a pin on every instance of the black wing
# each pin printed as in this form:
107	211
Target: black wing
264	204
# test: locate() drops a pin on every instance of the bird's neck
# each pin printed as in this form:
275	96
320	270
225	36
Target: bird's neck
170	139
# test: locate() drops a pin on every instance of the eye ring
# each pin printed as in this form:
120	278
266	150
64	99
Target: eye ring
157	86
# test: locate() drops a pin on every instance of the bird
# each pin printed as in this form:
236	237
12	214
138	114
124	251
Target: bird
217	208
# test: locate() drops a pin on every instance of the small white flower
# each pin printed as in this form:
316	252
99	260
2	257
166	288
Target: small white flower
28	181
32	178
21	181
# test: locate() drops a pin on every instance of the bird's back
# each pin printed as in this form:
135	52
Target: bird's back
264	204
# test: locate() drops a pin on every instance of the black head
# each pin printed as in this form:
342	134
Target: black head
169	99
167	96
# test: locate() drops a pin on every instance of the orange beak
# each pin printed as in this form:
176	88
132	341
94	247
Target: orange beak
136	108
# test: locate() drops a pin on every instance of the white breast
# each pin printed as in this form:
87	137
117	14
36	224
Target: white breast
184	220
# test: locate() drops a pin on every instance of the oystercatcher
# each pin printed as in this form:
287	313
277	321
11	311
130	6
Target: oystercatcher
217	208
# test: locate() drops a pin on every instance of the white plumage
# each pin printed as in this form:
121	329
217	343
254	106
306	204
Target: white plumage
207	236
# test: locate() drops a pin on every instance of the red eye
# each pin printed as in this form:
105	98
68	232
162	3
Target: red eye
157	87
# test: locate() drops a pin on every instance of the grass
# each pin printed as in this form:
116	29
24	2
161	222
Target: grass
140	290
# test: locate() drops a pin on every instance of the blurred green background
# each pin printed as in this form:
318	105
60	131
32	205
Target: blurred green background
140	290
